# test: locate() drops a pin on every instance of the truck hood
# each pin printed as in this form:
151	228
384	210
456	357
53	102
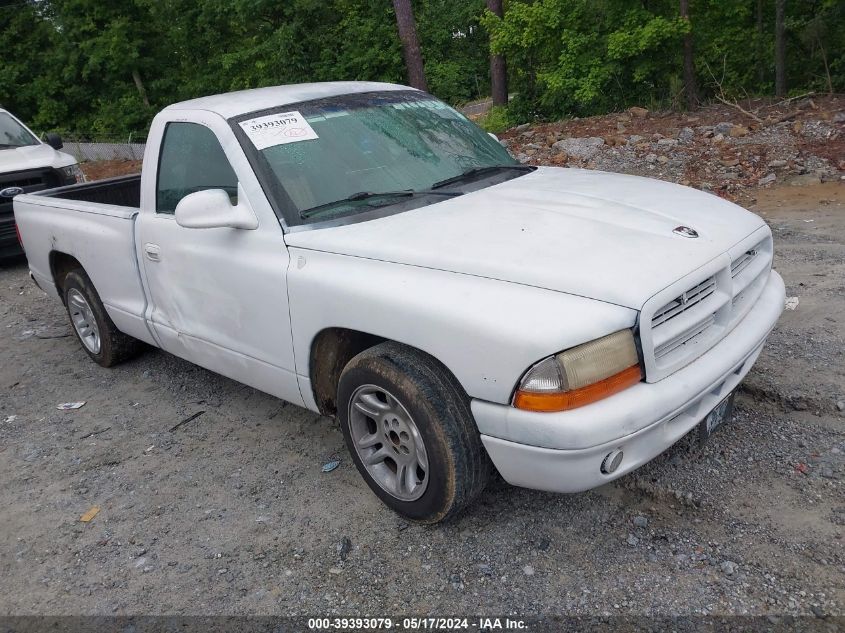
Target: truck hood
595	234
33	157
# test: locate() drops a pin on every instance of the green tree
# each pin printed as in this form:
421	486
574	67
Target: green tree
31	84
104	67
456	48
584	56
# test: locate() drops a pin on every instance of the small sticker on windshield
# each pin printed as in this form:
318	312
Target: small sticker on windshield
278	129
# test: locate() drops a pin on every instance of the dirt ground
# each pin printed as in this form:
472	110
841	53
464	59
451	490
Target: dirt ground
111	168
230	512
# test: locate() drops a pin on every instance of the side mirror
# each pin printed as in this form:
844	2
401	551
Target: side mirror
212	209
54	140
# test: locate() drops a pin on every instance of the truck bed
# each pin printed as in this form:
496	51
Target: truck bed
93	223
123	191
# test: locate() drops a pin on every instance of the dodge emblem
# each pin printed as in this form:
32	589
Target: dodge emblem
685	231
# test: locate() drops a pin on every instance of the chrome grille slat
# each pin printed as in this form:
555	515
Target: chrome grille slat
742	262
684	302
685	337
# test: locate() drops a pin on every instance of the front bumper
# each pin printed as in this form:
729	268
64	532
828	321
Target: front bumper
563	452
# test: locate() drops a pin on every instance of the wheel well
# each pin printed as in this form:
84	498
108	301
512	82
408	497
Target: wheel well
60	265
331	350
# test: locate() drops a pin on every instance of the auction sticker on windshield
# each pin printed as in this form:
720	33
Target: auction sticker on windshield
278	129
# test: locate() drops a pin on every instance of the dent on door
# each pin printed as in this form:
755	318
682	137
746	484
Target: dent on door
219	300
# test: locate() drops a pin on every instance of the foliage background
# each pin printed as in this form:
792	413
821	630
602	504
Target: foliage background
76	65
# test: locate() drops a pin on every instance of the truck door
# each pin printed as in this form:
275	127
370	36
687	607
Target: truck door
216	296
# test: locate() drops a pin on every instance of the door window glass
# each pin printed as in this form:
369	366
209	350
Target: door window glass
191	160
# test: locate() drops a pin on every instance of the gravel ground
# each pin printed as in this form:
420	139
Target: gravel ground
230	512
717	148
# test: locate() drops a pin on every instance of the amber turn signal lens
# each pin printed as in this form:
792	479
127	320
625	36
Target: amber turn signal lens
562	401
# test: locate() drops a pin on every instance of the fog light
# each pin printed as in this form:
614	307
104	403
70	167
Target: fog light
611	462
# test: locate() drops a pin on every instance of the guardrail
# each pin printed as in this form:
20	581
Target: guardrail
85	151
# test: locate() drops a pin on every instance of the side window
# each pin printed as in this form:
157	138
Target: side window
191	160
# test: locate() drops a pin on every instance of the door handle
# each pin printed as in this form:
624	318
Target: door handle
153	252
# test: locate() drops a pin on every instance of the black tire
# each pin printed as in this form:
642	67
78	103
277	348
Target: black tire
115	346
459	467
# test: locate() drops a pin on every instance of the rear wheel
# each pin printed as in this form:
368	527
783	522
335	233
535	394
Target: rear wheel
409	428
100	338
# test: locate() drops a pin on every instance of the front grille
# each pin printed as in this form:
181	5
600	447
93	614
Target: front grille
749	271
30	181
680	323
684	302
23	183
691	320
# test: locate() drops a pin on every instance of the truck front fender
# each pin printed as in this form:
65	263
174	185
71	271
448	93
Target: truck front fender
486	332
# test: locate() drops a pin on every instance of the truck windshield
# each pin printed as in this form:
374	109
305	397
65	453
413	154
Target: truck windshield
13	134
345	155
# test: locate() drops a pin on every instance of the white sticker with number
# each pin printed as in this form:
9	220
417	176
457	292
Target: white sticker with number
278	129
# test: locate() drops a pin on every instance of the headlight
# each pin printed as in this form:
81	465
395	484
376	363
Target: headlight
73	173
581	375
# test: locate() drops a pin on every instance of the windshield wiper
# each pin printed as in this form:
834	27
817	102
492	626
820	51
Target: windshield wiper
478	171
366	195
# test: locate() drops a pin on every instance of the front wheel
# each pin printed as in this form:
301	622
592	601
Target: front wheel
409	428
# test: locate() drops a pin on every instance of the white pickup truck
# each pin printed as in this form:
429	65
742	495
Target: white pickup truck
363	250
